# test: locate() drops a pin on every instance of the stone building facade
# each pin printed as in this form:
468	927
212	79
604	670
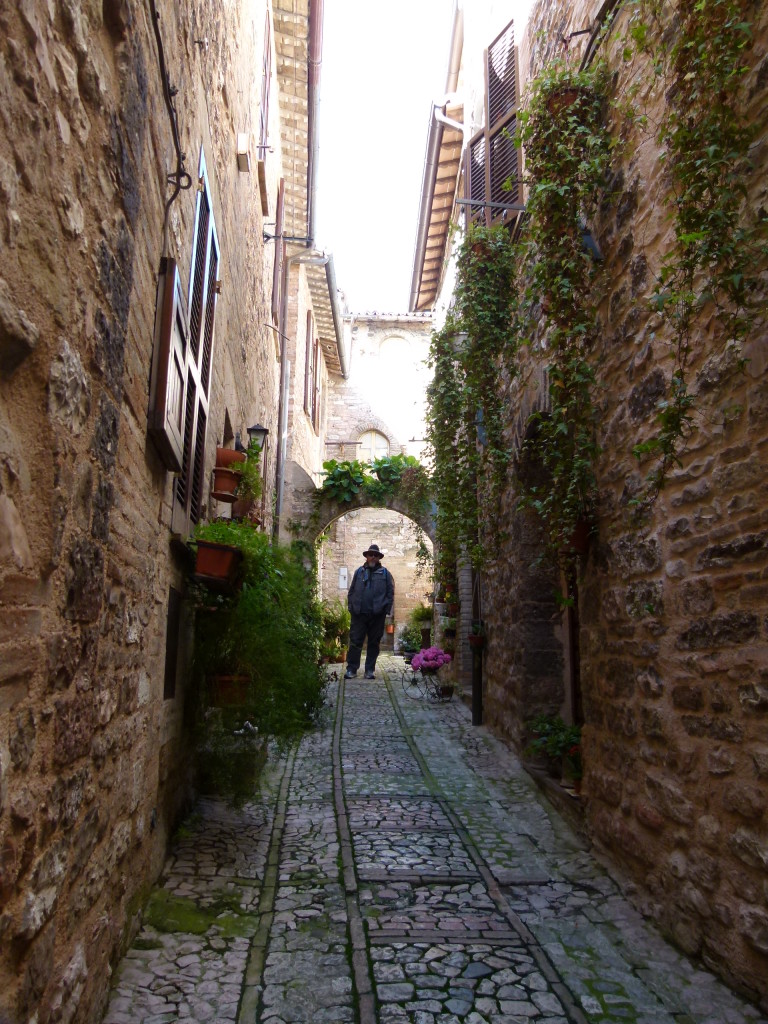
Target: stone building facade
379	409
94	629
665	657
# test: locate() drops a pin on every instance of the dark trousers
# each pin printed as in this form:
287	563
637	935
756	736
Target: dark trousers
371	626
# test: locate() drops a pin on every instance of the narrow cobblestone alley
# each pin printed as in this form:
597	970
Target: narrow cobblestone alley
399	865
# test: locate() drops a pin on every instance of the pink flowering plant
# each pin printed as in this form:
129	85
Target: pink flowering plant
430	659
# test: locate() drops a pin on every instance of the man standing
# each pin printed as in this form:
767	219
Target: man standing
370	599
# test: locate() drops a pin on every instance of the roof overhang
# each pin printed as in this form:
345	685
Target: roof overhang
327	314
442	164
441	171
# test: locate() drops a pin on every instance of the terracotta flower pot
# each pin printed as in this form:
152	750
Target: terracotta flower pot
564	98
475	640
227	456
229	691
391	628
453	610
217	565
225	483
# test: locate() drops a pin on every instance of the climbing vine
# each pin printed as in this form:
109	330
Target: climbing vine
567	149
465	410
706	139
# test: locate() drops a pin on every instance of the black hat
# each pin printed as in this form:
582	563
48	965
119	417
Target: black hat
373	550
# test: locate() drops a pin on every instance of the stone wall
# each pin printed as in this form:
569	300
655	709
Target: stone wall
673	637
385	390
350	535
92	767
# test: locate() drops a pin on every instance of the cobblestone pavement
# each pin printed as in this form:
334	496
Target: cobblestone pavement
399	865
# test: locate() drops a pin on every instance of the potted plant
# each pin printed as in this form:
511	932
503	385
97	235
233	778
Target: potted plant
225	483
218	558
450	628
257	654
552	739
430	660
227	456
336	623
477	635
572	769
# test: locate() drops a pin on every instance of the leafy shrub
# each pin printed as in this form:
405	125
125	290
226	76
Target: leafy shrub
269	633
343	480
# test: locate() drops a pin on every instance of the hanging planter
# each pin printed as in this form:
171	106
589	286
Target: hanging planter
217	565
227	457
565	97
475	641
225	483
228	691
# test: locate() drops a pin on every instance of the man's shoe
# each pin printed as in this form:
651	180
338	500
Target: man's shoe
369	675
349	674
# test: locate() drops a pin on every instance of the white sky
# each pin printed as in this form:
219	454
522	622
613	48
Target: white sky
383	64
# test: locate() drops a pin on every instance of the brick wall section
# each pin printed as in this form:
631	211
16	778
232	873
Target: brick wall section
673	638
92	767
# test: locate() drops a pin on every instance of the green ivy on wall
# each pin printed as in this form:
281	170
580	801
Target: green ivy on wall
466	415
702	58
568	147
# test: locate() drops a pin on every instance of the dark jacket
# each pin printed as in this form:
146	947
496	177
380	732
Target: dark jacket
383	587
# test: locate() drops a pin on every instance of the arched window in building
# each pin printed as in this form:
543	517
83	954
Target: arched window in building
373	445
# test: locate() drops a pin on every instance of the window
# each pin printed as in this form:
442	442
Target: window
203	289
491	158
266	79
173	626
317	357
309	376
373	445
169	359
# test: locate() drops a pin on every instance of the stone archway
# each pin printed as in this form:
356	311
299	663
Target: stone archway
328	509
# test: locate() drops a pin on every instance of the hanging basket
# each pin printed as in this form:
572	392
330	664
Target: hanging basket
565	97
227	457
225	483
476	641
229	691
217	565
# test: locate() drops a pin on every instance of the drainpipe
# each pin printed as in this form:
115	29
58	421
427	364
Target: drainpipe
315	59
313	109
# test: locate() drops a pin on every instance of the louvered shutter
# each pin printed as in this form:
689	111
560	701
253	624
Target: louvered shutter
203	290
492	157
308	368
501	123
475	177
166	409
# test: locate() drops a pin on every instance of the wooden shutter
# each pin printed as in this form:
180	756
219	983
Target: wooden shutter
308	378
266	79
169	354
492	157
277	270
203	290
316	386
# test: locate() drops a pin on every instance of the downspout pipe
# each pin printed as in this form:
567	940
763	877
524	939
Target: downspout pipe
315	60
313	109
